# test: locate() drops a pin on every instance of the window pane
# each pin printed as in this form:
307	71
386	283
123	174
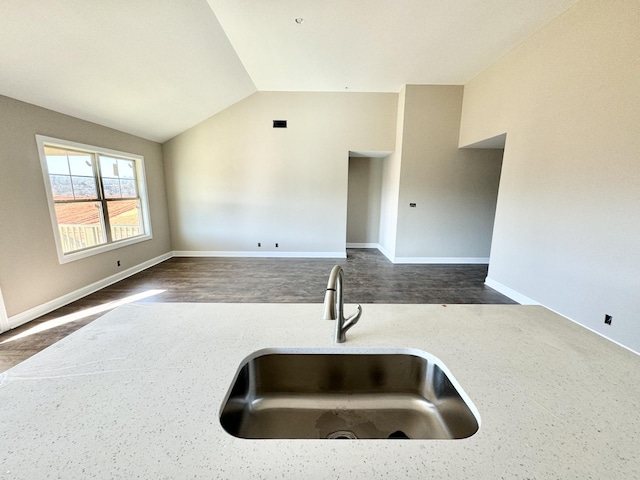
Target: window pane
111	187
57	164
48	150
84	187
108	167
80	225
126	168
81	164
90	190
128	188
125	219
61	187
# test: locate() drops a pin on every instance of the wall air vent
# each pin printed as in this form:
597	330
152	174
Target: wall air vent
279	124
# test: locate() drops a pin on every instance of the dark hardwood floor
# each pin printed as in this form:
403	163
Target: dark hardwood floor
369	278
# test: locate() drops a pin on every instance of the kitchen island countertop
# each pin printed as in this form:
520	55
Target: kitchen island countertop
137	394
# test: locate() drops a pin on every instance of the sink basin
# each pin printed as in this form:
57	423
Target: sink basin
400	394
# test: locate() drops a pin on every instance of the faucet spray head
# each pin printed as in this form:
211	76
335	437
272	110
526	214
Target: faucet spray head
329	305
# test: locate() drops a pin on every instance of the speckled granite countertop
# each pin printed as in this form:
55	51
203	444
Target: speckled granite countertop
137	394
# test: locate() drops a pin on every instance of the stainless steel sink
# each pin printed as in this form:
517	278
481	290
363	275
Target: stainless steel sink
327	395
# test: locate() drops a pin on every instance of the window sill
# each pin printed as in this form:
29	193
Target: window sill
89	252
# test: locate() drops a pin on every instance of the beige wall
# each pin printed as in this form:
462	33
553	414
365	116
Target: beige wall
363	204
454	190
30	274
567	223
234	181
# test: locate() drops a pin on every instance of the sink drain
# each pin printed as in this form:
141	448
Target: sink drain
342	435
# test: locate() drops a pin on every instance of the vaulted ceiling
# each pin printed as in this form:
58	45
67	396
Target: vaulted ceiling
155	68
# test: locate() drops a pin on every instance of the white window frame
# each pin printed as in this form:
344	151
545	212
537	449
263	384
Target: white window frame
43	141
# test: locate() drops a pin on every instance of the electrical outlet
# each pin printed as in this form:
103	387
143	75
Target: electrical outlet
608	319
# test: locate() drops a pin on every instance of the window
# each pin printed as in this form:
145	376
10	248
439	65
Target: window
97	197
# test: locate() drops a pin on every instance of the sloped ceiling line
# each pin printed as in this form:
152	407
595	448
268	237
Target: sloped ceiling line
155	69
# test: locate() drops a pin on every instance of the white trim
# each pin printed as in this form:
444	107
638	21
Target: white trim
407	260
363	245
41	141
385	253
89	252
250	254
422	260
512	294
4	319
524	300
447	260
594	331
33	313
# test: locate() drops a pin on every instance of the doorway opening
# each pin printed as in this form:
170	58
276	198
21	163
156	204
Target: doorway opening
364	199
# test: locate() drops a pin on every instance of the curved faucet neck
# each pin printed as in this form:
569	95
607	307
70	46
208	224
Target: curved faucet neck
334	305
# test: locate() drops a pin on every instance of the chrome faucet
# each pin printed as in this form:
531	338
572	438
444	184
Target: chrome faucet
334	305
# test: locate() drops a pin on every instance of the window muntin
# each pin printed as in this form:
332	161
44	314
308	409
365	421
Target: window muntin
97	197
118	177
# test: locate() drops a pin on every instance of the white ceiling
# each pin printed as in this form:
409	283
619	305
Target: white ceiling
154	68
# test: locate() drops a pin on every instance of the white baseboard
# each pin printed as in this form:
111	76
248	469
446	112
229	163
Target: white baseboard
512	294
33	313
271	253
594	331
447	260
524	300
386	253
421	260
363	245
254	254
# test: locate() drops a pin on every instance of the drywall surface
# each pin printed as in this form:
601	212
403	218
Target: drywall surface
233	181
454	190
391	186
567	224
363	204
30	274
